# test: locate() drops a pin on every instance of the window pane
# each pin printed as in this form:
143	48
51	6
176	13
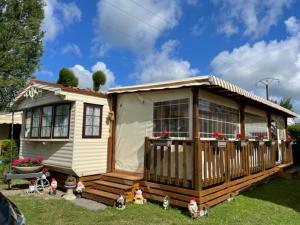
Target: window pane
217	118
27	124
171	116
61	125
255	125
36	118
92	120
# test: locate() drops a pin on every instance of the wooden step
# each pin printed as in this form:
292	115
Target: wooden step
112	187
125	176
118	180
100	196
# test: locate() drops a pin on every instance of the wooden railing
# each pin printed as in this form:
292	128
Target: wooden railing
199	164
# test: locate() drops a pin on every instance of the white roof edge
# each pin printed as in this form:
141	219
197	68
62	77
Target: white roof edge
197	81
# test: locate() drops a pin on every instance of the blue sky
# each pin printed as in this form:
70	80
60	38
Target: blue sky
138	41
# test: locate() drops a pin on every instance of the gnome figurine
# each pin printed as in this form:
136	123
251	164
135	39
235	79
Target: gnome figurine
138	198
53	187
120	202
193	208
79	188
166	202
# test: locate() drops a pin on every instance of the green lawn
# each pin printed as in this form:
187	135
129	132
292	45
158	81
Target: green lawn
275	203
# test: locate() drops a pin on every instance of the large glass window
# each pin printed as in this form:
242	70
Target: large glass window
171	116
38	122
61	121
255	125
92	121
215	118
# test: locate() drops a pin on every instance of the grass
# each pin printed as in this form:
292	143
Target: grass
275	203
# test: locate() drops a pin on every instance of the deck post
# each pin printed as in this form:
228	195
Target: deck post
242	119
112	138
196	149
269	125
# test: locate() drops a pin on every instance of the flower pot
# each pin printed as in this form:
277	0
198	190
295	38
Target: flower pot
28	169
162	142
219	144
70	184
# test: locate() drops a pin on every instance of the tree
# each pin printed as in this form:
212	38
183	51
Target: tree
67	77
99	79
20	45
286	102
294	131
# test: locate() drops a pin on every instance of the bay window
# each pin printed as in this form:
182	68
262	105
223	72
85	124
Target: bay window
215	118
51	121
92	121
171	116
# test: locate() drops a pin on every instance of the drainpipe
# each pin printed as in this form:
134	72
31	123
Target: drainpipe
11	141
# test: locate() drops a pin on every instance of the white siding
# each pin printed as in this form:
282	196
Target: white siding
90	154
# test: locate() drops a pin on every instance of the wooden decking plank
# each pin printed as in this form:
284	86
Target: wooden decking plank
112	184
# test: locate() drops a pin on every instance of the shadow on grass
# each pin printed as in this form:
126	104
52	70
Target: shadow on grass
281	191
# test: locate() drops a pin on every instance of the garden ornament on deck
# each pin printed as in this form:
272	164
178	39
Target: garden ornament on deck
53	187
79	188
120	202
166	202
138	198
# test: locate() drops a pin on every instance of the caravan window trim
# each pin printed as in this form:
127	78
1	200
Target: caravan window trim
84	120
53	116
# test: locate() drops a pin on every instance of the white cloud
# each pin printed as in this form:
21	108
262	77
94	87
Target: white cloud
161	65
256	16
228	28
58	15
133	24
71	48
85	76
249	63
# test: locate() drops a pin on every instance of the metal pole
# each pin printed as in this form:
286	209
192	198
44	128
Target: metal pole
267	91
11	140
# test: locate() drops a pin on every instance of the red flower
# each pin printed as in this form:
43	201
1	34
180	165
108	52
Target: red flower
45	169
218	135
239	136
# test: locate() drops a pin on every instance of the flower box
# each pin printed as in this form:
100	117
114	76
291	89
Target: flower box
219	144
162	142
28	169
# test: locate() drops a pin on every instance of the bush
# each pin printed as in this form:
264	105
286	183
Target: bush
294	131
5	150
99	79
67	77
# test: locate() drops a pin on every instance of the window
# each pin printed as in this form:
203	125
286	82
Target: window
46	121
92	121
255	125
61	121
35	125
39	123
27	124
171	116
215	118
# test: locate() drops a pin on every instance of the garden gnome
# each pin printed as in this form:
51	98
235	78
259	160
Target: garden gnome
79	188
193	208
138	198
32	187
120	202
53	187
166	202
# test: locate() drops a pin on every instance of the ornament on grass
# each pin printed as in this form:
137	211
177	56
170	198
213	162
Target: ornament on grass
53	187
193	208
120	202
166	202
138	198
80	186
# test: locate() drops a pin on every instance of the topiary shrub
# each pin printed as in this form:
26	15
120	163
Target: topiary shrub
5	150
67	77
99	79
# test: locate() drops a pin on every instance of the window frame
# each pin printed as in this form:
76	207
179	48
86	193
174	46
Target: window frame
52	121
85	105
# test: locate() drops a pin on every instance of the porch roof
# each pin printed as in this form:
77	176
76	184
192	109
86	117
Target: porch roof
214	83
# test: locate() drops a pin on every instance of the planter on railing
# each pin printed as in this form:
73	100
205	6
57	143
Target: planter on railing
240	143
219	144
162	142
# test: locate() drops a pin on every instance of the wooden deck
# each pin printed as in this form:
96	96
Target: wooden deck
188	169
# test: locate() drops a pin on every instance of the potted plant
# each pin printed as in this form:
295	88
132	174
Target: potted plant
28	165
163	139
70	181
239	142
259	140
220	141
